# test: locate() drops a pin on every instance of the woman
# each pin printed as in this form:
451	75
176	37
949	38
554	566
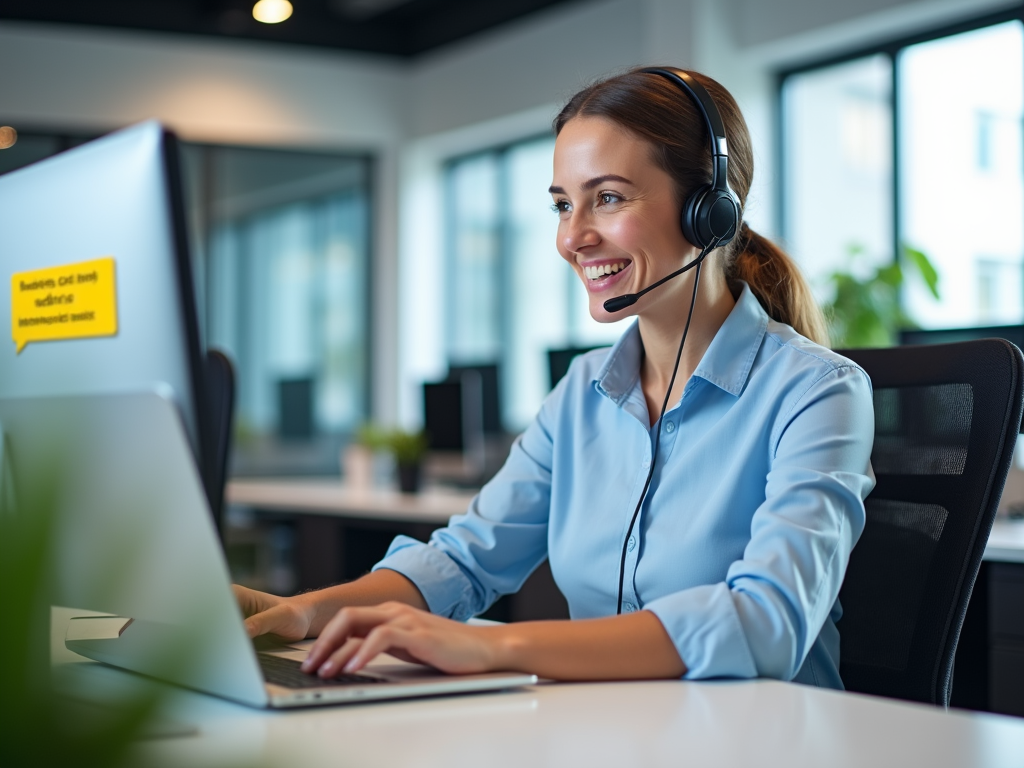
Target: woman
731	563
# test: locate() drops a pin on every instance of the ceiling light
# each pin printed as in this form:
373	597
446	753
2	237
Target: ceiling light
8	137
272	11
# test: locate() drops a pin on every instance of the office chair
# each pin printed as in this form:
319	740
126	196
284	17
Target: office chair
946	423
220	390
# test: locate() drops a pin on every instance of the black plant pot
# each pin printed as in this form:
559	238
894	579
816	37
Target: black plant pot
409	477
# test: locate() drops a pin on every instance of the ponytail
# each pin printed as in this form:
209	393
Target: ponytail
776	281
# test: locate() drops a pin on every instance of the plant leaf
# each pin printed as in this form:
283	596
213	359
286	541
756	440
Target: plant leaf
924	268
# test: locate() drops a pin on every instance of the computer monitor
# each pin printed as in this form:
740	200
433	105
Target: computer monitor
559	361
453	413
1012	333
99	287
490	394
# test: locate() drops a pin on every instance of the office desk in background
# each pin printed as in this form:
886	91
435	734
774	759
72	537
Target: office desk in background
341	532
662	723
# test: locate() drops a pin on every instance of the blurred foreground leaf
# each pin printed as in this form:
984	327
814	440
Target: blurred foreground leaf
37	726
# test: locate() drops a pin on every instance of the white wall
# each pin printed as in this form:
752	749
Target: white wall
208	90
497	87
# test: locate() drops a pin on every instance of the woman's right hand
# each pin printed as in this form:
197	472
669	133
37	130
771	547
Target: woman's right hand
289	618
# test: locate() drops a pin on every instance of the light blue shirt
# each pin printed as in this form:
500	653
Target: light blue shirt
742	543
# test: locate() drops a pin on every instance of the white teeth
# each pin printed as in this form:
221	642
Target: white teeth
596	273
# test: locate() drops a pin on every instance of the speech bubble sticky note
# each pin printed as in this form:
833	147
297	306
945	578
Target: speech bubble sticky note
74	301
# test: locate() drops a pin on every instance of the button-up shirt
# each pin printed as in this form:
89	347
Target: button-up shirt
756	501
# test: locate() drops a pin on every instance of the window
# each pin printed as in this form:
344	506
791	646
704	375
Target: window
838	150
510	295
951	184
285	255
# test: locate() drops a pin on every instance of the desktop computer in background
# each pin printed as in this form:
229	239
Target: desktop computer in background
453	420
462	420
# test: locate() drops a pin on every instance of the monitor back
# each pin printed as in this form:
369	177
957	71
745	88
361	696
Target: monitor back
116	197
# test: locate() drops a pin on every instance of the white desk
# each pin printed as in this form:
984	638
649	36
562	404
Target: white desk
670	723
330	497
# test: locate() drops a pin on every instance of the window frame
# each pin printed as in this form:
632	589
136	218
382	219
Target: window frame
892	48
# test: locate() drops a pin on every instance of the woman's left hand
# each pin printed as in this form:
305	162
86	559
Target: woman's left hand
356	635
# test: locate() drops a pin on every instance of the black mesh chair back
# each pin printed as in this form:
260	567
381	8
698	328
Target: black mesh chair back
946	422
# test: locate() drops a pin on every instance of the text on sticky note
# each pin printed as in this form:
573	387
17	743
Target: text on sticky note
73	301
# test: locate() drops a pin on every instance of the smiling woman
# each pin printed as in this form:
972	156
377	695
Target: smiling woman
705	539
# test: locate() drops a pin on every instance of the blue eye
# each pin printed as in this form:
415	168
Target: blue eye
560	206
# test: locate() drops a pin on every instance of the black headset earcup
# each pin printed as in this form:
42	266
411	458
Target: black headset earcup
710	216
688	220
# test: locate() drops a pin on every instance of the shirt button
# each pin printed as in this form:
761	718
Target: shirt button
631	544
645	463
670	427
628	607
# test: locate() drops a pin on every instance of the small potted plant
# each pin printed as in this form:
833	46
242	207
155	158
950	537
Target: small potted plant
358	456
408	448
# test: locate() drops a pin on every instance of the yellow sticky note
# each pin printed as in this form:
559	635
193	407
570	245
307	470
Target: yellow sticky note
73	301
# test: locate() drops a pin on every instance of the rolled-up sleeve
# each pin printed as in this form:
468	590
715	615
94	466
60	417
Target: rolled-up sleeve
492	549
764	618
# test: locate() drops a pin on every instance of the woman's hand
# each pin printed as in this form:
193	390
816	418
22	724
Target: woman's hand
356	635
289	618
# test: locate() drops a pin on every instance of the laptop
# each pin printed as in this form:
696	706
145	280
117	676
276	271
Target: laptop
134	538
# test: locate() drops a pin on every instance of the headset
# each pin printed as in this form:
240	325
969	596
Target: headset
710	218
711	214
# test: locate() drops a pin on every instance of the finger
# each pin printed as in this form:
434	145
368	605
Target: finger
243	597
380	640
276	620
251	601
340	657
346	623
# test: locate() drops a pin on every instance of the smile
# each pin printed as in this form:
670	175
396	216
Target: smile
601	270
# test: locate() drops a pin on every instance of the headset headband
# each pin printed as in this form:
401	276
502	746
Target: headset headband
712	121
711	215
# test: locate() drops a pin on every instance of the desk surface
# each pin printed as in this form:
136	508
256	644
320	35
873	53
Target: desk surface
671	723
325	496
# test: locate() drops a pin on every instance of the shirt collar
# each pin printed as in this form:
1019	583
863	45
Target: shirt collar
726	363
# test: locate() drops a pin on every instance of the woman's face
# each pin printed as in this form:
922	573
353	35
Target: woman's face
618	215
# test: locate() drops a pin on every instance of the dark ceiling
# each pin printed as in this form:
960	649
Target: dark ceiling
395	27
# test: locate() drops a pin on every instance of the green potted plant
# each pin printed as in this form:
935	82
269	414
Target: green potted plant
866	311
408	448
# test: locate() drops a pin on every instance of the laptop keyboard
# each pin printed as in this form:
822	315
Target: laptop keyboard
288	673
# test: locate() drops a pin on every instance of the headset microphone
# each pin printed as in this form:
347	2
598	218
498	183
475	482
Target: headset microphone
619	303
